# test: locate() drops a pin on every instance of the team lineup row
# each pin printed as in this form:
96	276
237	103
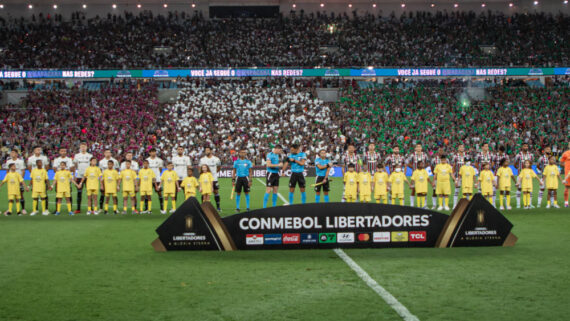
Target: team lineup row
358	179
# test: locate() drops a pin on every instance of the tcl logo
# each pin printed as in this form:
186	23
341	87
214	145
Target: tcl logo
291	238
417	236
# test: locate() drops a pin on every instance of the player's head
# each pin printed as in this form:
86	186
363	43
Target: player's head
547	150
485	147
62	152
208	151
418	148
396	150
93	161
278	149
145	164
12	167
502	149
128	164
441	151
364	167
242	153
552	160
37	150
39	163
322	154
180	151
107	153
170	166
461	148
294	148
204	169
371	148
62	165
380	167
398	168
351	148
421	165
351	167
526	164
152	152
443	158
504	162
486	166
14	153
110	164
83	147
189	171
525	147
129	156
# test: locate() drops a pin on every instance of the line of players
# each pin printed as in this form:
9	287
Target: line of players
103	180
366	176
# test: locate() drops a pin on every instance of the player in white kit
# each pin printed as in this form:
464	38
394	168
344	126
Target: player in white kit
156	164
214	164
181	163
81	161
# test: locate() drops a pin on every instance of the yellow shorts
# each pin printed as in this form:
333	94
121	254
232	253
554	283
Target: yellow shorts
552	187
38	194
62	194
467	190
380	196
527	189
92	192
350	195
365	198
146	193
398	195
111	194
173	195
187	196
129	194
421	191
506	188
443	189
350	198
12	197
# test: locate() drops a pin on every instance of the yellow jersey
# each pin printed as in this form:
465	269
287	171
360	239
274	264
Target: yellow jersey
443	172
189	184
365	181
397	182
206	181
380	183
13	180
551	173
526	175
39	178
92	175
63	180
467	174
110	179
146	177
128	178
350	181
168	179
486	178
420	178
505	175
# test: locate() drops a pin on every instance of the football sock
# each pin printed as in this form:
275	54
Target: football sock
265	199
303	197
519	199
69	207
290	197
58	207
45	204
509	200
79	198
274	199
440	201
317	198
10	207
34	204
326	198
446	199
412	200
501	200
246	200
238	198
217	198
540	194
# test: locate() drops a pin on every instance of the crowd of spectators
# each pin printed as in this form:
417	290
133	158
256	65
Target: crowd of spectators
148	41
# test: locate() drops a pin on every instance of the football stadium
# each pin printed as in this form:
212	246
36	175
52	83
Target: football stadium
284	160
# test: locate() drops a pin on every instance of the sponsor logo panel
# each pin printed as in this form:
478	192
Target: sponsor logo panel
272	239
400	236
327	237
345	237
292	238
254	239
381	237
417	236
309	238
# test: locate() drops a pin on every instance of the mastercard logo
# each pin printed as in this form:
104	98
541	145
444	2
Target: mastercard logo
364	237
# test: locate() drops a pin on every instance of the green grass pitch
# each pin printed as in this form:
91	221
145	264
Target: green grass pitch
103	268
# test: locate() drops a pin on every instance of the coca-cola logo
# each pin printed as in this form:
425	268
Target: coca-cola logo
291	238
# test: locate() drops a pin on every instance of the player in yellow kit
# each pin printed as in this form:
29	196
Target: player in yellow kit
147	178
443	176
39	181
14	181
351	184
91	179
169	183
487	182
380	184
206	181
128	178
420	179
190	183
467	174
551	174
397	179
110	182
525	183
63	180
365	184
504	177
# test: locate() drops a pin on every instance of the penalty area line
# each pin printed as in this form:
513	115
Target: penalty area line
383	293
278	194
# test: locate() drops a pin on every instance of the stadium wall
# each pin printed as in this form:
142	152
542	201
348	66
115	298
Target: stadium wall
18	8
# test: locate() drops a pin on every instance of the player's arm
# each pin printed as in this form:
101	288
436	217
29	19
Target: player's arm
234	176
328	170
250	174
